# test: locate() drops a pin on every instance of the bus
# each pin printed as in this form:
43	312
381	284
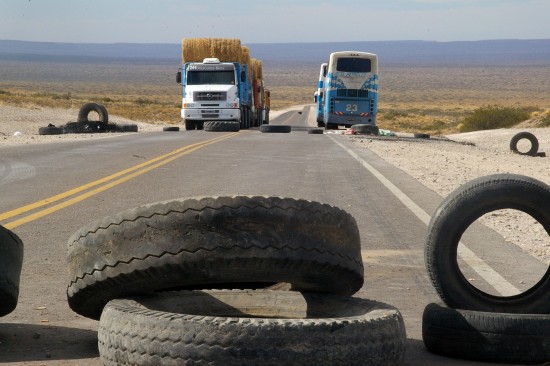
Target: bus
350	94
320	93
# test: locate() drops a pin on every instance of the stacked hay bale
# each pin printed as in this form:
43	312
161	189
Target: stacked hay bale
225	49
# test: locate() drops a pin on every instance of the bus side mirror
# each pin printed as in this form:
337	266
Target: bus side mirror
178	77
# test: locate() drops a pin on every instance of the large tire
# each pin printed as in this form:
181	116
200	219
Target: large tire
213	242
525	135
11	261
170	128
250	328
222	126
275	128
489	337
456	213
190	125
88	107
50	130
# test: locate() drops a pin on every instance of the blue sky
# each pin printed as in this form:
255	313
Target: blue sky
260	21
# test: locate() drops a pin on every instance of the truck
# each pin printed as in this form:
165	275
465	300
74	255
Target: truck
219	88
320	94
350	92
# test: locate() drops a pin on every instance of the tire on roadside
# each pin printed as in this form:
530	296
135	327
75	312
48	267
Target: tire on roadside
250	327
213	242
315	131
222	126
50	130
11	261
130	127
275	128
89	107
528	136
486	336
420	135
456	213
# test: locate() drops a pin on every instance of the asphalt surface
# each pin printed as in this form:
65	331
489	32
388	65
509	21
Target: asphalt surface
51	190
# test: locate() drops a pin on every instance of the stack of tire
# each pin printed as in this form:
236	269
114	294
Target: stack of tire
475	325
195	281
11	260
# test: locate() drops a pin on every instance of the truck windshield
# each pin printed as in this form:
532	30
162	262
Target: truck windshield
225	77
353	64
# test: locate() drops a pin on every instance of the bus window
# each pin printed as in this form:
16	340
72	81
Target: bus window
353	64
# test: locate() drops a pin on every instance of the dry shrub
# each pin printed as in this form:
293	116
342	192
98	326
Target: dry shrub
197	49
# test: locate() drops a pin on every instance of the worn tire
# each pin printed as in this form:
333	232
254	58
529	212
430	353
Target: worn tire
525	135
50	130
250	328
275	128
171	128
212	242
222	126
421	135
456	213
366	129
489	337
315	131
11	261
88	107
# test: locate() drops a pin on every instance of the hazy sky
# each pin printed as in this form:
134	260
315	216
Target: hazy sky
259	21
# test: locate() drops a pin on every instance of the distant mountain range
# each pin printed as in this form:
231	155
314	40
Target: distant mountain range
494	52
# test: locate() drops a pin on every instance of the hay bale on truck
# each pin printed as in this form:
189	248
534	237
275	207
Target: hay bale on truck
216	81
259	93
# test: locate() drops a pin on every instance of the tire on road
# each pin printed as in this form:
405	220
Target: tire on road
525	135
170	128
275	128
485	336
89	107
315	131
456	213
50	130
419	135
11	261
214	242
250	327
366	129
222	126
128	127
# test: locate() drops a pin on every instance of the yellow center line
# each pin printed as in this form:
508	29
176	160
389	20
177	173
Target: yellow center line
145	167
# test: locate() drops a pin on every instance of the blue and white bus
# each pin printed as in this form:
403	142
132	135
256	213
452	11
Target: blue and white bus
351	89
320	93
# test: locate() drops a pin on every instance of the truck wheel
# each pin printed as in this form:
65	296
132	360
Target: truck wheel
189	125
206	242
453	217
98	108
525	135
275	128
11	261
222	126
50	130
488	337
245	327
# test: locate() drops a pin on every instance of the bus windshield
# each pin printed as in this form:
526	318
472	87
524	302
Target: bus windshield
353	64
225	77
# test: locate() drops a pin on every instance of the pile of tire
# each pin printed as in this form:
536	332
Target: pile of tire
202	280
475	325
11	260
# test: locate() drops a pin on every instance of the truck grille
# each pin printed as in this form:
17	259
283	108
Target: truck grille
352	93
209	96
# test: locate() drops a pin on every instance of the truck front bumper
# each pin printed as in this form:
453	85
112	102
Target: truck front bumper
208	114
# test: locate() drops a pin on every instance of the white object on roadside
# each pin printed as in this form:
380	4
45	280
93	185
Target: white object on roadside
17	133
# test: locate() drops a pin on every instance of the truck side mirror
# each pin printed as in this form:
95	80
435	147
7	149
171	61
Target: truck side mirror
178	77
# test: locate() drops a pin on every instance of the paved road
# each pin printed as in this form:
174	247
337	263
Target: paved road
49	191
